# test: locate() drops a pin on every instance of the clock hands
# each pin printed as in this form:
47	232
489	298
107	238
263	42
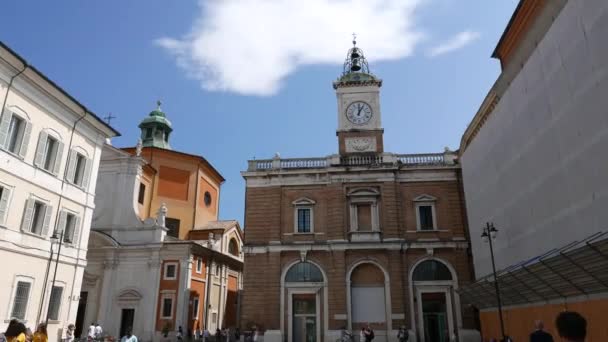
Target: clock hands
360	107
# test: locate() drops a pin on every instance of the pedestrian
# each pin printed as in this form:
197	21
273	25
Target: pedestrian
15	332
218	335
571	326
129	337
69	333
91	333
237	335
206	335
41	335
98	331
403	335
362	335
539	334
180	334
369	333
29	335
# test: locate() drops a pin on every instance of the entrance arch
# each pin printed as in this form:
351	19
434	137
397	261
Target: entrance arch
304	301
368	296
435	310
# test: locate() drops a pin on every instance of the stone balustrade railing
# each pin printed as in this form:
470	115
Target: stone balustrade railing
408	160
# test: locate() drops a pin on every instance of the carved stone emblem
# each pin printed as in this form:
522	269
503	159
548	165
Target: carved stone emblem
360	144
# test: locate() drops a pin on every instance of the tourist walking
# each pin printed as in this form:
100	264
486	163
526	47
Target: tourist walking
237	334
129	337
15	332
571	326
369	333
91	332
69	333
98	331
180	334
41	335
539	334
403	335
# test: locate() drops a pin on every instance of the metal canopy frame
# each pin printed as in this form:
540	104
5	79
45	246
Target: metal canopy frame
578	268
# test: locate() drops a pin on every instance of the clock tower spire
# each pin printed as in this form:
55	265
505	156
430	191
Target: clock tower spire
358	92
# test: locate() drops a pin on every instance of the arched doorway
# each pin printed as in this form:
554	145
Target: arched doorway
435	303
303	297
368	296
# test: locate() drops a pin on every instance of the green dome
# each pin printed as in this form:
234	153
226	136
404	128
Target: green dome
157	112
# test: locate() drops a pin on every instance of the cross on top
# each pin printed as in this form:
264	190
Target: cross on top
109	118
158	103
354	38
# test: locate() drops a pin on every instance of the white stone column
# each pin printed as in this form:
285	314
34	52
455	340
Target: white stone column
184	292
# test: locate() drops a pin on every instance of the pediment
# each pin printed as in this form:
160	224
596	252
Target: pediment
129	295
425	198
363	192
304	201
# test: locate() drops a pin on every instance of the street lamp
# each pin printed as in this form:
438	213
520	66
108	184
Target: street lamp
489	234
60	241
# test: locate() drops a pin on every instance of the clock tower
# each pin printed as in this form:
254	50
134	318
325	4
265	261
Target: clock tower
359	121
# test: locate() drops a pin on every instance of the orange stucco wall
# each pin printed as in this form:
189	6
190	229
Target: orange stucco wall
167	285
177	183
197	289
519	322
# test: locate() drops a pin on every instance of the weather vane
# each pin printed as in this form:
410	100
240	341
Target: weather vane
109	118
354	39
158	103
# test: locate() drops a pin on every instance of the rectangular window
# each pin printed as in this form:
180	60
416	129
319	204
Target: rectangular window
70	227
15	134
142	193
364	217
167	311
173	225
425	215
199	265
22	295
195	302
4	193
170	271
55	303
50	153
38	218
81	162
304	220
148	133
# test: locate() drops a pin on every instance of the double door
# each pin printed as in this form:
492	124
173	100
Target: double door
304	318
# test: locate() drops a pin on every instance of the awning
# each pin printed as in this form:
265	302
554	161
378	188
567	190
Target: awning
579	268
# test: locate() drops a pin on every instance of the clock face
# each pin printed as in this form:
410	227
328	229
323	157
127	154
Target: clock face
359	113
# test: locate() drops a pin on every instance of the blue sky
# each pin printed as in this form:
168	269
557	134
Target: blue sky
244	79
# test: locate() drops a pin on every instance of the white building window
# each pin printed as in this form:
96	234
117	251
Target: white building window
303	215
21	298
49	153
167	306
55	303
15	133
195	305
424	206
170	271
69	224
5	193
199	265
79	169
37	217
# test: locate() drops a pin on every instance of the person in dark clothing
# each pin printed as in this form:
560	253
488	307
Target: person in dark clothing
218	335
237	334
571	326
369	334
540	335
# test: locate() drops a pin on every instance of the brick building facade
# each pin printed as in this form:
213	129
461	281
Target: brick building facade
364	236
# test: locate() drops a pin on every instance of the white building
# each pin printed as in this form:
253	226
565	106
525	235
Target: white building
50	146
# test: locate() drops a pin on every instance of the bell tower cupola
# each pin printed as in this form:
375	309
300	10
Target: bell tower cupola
358	93
155	129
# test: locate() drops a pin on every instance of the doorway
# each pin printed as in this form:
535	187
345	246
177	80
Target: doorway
82	309
126	321
434	314
304	318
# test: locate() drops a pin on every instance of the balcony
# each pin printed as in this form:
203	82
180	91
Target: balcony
447	158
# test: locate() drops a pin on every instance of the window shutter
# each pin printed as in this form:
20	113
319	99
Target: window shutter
71	166
4	203
87	173
58	156
39	159
4	125
47	220
61	223
27	216
76	234
27	133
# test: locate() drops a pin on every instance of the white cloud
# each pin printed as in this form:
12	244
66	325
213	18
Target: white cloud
250	46
458	41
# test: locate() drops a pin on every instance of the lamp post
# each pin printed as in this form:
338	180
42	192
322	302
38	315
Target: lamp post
60	241
489	234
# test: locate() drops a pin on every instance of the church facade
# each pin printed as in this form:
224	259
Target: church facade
158	257
360	237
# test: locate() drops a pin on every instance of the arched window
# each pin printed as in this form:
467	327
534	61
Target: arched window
304	272
233	247
431	270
